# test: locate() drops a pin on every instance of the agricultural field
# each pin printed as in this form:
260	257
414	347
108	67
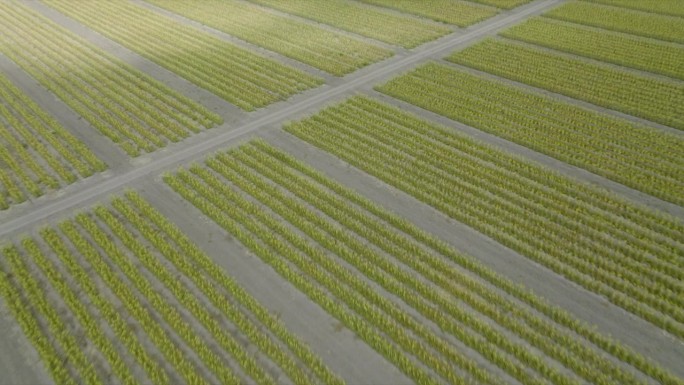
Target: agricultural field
139	290
665	7
625	252
239	76
36	152
332	52
337	192
274	204
639	23
376	23
460	13
127	106
635	94
611	47
636	155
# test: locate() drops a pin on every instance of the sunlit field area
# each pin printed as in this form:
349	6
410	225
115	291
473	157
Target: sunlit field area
342	192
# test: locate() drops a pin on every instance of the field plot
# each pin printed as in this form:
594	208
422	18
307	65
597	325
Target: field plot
239	76
150	304
627	253
455	12
504	4
133	110
644	158
437	315
657	100
329	51
612	47
639	23
343	234
665	7
37	154
372	22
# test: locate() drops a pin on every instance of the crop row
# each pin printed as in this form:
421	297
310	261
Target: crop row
107	310
622	90
130	108
665	7
626	253
373	22
239	76
224	373
89	322
612	47
330	51
644	158
186	265
51	357
246	190
45	316
387	330
37	152
201	262
109	240
118	252
563	320
651	25
460	13
133	290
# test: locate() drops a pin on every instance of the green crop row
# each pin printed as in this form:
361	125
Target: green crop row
18	139
29	323
297	195
61	336
108	311
30	135
607	46
126	247
75	152
446	313
644	158
665	7
301	264
657	100
12	186
558	319
82	314
406	31
457	12
191	261
635	22
130	108
542	334
239	76
627	253
329	51
350	249
13	193
157	334
435	270
171	315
